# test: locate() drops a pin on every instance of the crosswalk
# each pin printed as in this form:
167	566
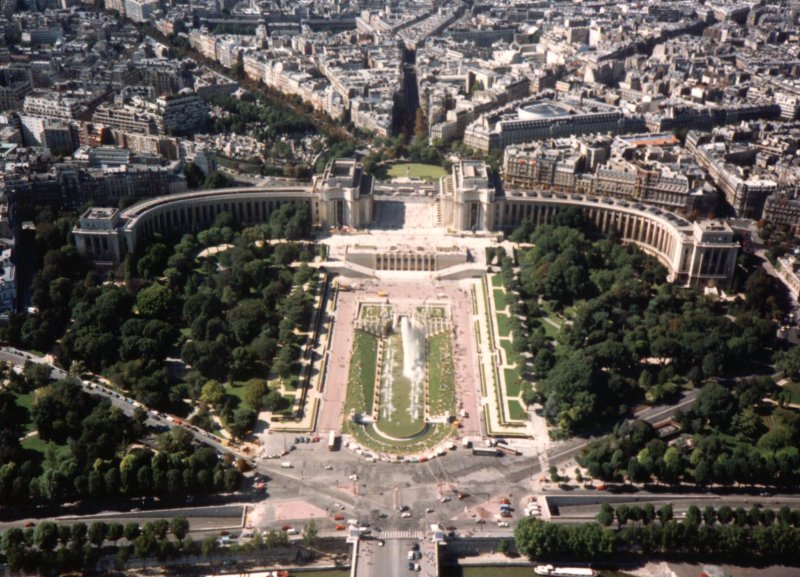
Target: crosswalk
402	535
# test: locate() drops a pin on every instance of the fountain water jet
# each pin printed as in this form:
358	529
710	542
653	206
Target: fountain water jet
413	357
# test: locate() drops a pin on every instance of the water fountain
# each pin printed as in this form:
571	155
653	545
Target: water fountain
401	379
413	351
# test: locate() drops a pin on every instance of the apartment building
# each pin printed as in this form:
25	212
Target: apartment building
140	10
15	84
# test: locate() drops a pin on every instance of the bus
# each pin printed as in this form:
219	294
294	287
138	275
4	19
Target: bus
332	441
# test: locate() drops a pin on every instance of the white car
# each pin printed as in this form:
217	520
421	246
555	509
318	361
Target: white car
429	510
502	523
405	515
444	499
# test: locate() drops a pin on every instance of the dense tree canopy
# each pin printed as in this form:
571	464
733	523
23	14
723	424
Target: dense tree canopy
722	535
631	336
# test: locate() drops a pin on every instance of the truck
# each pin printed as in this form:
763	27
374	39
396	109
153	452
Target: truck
485	452
332	441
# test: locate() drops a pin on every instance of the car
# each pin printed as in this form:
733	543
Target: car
429	510
415	546
381	542
340	527
444	499
415	567
286	527
402	508
328	467
412	555
505	502
292	531
505	514
30	524
338	517
502	523
405	515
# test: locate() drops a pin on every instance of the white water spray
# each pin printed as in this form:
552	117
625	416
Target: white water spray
413	352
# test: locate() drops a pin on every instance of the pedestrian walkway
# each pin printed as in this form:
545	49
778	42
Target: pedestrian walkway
401	535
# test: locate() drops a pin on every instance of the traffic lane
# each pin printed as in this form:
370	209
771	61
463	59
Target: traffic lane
224	514
214	511
391	559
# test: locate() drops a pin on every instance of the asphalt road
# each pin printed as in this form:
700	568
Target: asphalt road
568	450
344	481
391	559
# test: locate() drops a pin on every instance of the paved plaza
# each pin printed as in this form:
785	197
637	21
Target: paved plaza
405	294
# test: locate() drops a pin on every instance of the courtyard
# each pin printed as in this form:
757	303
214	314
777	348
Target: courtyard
402	364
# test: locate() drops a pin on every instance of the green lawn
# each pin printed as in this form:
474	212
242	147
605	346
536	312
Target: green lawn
500	300
503	324
549	329
402	413
513	382
511	354
34	443
794	389
361	380
369	437
441	375
516	411
237	390
497	280
415	170
26	401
